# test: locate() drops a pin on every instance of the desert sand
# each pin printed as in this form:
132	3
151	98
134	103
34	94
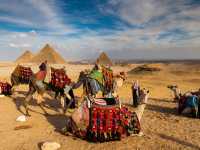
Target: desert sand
162	126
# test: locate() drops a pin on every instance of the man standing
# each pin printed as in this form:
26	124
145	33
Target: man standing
135	93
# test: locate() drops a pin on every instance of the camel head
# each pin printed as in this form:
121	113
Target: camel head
144	95
83	74
121	75
172	87
175	90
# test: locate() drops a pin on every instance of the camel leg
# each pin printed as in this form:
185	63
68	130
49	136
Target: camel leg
27	99
13	91
140	110
63	103
187	110
13	88
72	97
70	127
66	102
40	99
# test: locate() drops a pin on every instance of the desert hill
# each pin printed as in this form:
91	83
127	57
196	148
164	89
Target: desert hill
144	69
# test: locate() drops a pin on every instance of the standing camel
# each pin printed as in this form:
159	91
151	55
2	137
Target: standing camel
60	84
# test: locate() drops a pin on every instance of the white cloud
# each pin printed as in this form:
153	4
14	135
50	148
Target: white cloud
13	45
137	11
156	14
24	45
15	20
135	42
40	14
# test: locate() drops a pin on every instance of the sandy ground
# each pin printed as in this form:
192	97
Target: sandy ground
163	128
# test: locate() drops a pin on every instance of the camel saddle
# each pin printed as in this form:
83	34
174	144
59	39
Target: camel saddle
24	73
110	122
59	78
5	88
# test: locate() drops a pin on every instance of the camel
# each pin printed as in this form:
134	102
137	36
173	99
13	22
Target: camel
65	92
188	103
17	77
84	80
20	75
80	119
143	99
118	82
66	96
176	91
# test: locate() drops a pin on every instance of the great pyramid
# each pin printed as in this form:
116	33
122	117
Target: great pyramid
25	57
103	59
49	54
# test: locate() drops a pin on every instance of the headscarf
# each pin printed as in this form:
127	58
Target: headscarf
136	85
43	66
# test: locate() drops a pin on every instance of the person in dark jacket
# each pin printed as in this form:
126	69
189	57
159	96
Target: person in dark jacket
136	93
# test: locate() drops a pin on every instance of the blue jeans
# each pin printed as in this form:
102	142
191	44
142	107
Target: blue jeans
95	86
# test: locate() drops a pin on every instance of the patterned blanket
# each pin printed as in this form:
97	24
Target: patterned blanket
59	79
23	73
111	123
100	123
5	88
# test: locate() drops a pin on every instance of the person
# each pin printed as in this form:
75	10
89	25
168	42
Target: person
40	77
135	93
37	84
96	79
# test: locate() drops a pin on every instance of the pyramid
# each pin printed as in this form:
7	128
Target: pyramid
49	54
25	57
103	59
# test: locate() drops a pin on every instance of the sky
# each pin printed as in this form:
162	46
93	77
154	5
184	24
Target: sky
81	29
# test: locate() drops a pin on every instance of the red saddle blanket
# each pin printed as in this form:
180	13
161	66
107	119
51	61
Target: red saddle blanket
59	79
25	72
111	123
5	88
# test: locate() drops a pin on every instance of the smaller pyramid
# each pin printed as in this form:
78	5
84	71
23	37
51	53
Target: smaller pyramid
25	57
49	54
103	59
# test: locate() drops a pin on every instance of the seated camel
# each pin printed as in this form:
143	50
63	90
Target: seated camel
188	103
97	121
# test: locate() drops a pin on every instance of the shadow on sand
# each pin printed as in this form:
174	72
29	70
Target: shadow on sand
57	121
174	139
162	109
162	100
19	103
48	103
